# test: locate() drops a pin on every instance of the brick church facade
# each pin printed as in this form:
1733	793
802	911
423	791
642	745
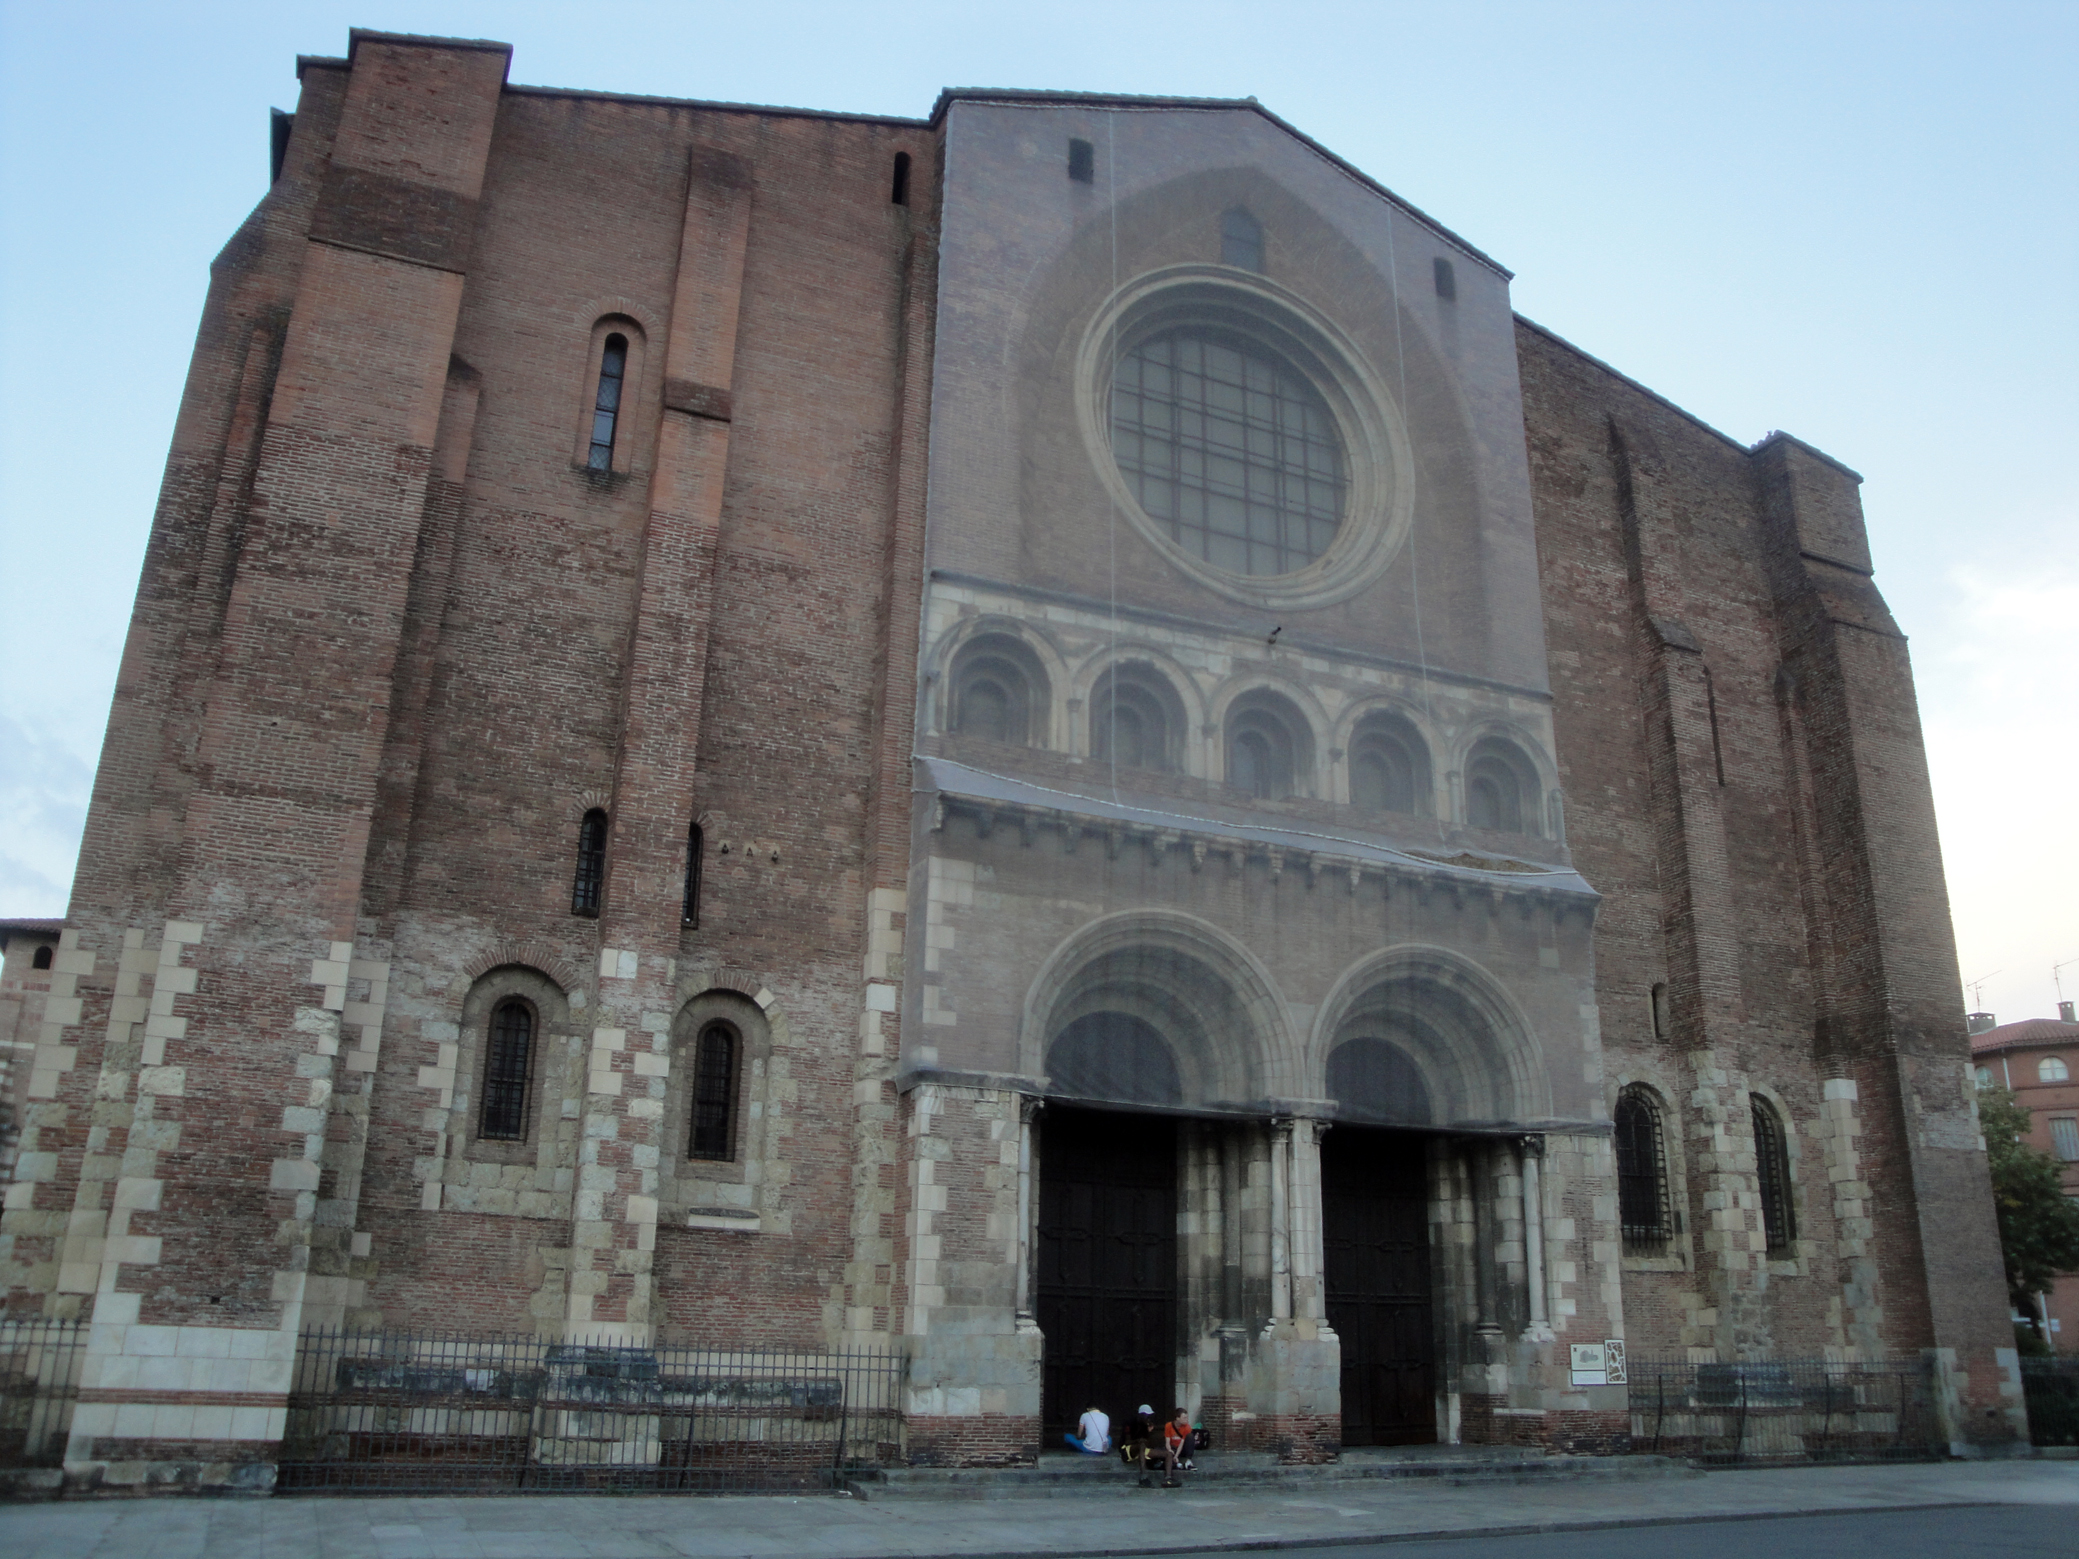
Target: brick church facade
781	729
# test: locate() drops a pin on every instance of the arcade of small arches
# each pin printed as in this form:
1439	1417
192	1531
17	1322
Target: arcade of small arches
1136	709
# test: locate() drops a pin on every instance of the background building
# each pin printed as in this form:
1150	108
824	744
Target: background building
2035	1059
1046	737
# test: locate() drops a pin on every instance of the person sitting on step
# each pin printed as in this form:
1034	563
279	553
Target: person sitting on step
1093	1436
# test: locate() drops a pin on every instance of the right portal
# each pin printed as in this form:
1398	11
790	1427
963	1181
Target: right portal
1375	1239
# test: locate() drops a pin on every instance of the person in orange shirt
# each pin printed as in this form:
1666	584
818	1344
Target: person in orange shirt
1176	1446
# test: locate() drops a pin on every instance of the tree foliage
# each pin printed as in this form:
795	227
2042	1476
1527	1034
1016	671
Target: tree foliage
2039	1224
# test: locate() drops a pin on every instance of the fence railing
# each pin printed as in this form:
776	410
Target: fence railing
1783	1410
40	1362
394	1411
2051	1389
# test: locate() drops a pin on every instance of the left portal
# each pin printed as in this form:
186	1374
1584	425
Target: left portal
1107	1265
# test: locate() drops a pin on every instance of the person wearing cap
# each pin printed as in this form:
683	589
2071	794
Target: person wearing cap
1142	1436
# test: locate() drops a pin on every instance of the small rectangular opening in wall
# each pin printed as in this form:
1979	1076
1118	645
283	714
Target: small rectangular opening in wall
280	128
1447	279
899	190
1082	162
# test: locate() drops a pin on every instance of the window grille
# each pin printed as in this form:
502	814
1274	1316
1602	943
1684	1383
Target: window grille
714	1093
585	891
1642	1181
606	405
1772	1166
1229	449
508	1068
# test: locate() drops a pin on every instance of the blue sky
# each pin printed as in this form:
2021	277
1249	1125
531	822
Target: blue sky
1855	222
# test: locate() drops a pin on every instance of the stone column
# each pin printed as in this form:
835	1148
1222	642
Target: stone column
1533	1153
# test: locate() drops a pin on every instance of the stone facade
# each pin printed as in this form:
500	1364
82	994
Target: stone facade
834	635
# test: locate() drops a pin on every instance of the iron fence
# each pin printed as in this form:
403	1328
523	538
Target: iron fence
39	1382
2051	1389
394	1412
1783	1410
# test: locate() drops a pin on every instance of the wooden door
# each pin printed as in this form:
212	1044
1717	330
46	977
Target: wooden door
1375	1239
1107	1265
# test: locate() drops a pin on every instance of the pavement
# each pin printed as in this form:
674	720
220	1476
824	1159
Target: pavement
1126	1521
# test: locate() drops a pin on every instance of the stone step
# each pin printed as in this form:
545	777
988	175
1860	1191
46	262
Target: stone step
1100	1475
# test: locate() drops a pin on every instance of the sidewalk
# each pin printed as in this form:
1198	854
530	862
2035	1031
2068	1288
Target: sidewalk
1127	1522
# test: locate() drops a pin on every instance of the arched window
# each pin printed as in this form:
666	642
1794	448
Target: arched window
591	865
1268	754
1136	719
1114	1055
1241	240
1642	1180
696	847
998	687
1389	767
899	193
1772	1168
508	1072
2052	1069
1374	1080
1501	788
713	1133
41	958
606	403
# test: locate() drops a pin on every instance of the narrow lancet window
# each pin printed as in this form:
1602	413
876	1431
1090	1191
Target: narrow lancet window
714	1093
508	1068
606	406
591	865
1772	1168
1241	241
696	845
1642	1182
899	194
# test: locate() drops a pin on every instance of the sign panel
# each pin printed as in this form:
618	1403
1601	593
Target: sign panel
1590	1364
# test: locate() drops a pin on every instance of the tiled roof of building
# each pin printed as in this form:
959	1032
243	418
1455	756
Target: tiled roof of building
2029	1031
32	927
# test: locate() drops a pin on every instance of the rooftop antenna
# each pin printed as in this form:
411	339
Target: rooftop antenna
2057	975
1979	984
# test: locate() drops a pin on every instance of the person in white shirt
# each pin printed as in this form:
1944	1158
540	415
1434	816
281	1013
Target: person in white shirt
1093	1434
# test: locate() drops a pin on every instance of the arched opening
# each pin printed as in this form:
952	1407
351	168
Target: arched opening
1389	767
696	849
1117	1056
606	402
41	958
1772	1170
1643	1213
508	1072
589	882
1136	719
1374	1081
1269	753
998	692
711	1132
1501	788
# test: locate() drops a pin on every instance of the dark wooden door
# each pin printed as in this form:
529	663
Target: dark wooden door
1107	1265
1375	1246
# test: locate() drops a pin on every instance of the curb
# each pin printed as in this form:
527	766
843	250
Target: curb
1445	1534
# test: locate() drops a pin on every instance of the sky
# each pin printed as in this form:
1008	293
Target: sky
1858	223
